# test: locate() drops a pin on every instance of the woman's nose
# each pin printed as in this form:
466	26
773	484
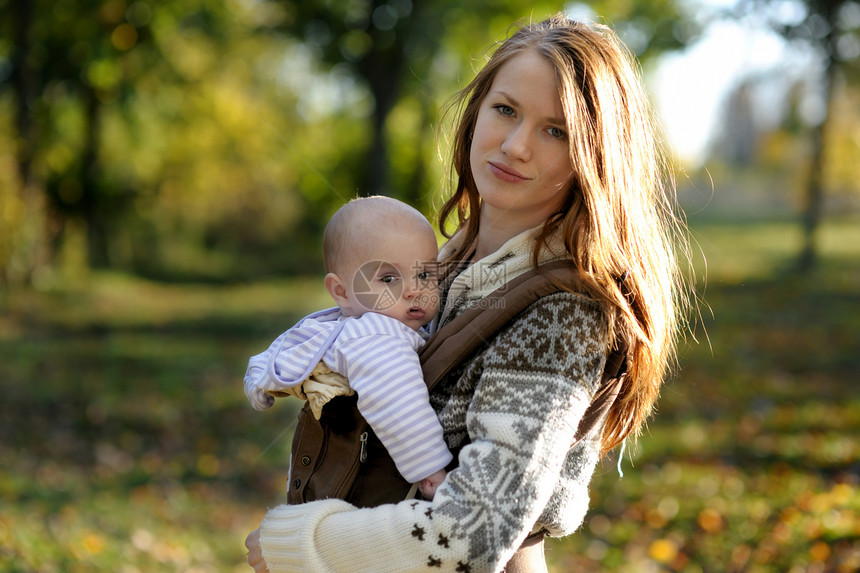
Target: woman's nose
517	143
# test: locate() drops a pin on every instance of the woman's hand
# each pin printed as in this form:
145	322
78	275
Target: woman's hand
255	552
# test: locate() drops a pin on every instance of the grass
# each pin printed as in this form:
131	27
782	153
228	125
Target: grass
128	445
128	442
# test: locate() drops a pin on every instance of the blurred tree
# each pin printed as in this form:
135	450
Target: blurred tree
123	113
386	44
736	142
212	138
831	30
23	217
68	60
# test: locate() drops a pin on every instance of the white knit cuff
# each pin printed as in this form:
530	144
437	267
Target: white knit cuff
287	535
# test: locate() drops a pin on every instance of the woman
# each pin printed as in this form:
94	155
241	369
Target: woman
554	158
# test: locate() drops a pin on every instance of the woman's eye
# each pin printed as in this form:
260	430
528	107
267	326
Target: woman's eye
557	132
505	110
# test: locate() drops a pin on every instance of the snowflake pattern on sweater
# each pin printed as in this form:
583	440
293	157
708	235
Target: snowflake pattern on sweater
512	400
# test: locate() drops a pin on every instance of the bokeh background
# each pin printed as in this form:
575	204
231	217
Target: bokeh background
166	169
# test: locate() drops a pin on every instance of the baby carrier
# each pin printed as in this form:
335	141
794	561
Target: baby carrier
339	456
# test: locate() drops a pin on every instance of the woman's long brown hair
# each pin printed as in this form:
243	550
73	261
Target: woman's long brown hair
619	215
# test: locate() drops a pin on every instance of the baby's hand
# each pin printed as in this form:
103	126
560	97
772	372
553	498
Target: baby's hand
429	484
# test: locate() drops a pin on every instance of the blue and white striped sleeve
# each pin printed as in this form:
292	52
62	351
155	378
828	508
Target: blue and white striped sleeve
385	372
290	359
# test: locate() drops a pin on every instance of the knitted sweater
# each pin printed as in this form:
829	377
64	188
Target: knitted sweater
517	404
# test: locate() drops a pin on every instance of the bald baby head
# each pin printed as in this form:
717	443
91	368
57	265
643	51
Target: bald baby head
356	228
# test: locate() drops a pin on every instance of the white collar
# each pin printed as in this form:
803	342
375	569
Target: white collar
512	259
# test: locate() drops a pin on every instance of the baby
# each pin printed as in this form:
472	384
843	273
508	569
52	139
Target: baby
380	257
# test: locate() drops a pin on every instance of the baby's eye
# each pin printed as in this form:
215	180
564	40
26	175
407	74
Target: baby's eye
388	279
426	275
557	133
505	110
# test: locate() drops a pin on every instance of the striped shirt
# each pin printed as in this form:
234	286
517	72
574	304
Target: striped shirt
377	354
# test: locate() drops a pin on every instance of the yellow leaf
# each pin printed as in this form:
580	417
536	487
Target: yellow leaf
93	543
663	550
819	552
710	520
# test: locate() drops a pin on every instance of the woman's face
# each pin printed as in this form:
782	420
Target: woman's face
519	154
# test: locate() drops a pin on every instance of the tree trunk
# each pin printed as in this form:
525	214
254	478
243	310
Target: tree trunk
383	69
27	238
94	208
415	193
23	86
808	259
376	177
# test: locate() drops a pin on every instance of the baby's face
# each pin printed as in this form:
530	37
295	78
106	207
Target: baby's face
397	276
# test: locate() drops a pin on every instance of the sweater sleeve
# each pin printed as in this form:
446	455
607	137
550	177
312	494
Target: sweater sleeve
535	382
386	374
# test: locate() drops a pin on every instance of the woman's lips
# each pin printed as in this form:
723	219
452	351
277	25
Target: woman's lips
506	173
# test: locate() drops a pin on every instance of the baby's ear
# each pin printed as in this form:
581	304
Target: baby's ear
335	287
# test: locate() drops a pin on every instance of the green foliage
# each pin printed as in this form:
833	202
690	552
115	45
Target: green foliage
210	139
128	444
